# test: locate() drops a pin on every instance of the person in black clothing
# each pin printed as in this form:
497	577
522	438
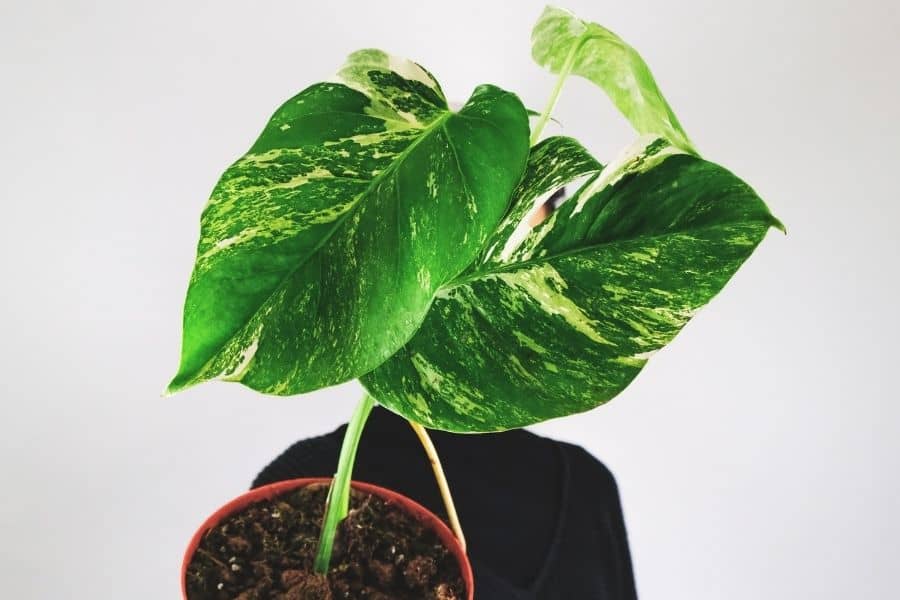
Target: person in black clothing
542	518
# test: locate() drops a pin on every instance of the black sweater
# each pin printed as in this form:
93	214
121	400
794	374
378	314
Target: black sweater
542	518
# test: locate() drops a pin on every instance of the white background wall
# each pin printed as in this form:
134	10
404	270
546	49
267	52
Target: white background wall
758	456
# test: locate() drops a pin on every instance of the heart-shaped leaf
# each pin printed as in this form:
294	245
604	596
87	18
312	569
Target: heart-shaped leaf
321	248
565	44
561	319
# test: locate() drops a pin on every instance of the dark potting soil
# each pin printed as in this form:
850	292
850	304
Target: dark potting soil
266	552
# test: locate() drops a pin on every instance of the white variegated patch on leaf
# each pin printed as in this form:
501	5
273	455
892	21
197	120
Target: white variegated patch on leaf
321	248
565	317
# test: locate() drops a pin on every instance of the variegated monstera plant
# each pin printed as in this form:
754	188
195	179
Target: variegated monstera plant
372	232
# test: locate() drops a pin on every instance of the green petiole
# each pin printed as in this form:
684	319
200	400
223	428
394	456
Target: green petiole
554	95
338	503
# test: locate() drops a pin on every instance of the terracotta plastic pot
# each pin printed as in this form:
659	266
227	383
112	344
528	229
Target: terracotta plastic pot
270	491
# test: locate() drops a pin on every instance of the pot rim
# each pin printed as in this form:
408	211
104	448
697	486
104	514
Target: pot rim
272	490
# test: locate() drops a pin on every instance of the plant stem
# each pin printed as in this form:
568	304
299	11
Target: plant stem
554	95
441	479
338	503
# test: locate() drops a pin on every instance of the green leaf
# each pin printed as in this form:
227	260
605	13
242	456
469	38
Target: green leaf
321	248
564	44
561	319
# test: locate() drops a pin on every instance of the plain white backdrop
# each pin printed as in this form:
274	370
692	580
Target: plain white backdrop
758	456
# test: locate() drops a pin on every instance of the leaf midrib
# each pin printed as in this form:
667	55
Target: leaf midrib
526	264
432	127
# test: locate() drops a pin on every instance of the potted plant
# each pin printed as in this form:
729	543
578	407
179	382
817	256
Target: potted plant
373	233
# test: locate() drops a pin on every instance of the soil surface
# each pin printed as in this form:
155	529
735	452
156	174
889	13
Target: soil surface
266	552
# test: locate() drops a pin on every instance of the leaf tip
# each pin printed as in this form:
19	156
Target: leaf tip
777	224
179	383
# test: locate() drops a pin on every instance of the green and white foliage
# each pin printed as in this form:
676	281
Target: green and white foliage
372	232
561	319
565	44
322	248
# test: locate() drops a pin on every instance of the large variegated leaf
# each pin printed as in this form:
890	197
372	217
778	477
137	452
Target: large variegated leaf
564	44
564	318
321	248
